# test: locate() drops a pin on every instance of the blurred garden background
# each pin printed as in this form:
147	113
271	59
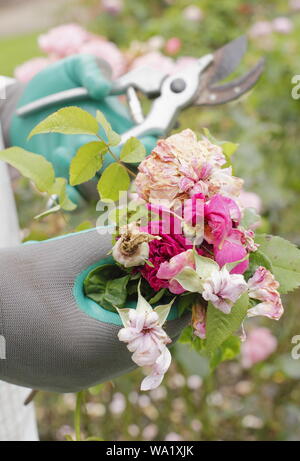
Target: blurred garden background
242	400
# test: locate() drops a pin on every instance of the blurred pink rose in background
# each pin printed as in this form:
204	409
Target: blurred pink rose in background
282	25
63	40
193	13
250	200
294	5
173	45
108	51
156	60
183	62
25	72
261	29
259	345
112	6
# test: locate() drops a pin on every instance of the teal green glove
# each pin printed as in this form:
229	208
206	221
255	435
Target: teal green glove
79	70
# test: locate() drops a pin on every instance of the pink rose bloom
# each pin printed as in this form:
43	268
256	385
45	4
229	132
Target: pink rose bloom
173	45
250	200
263	287
282	25
112	6
220	213
63	40
231	250
169	269
108	51
224	289
181	166
193	13
25	72
156	60
199	321
259	345
261	29
146	338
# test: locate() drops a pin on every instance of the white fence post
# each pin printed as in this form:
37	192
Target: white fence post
17	422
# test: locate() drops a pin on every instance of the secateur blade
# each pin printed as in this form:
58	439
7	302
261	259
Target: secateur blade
226	59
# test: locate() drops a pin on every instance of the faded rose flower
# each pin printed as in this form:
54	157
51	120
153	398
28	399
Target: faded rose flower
259	345
263	287
132	248
25	72
146	338
63	40
224	289
248	240
180	166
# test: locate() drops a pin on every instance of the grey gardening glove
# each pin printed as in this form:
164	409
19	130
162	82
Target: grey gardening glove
56	338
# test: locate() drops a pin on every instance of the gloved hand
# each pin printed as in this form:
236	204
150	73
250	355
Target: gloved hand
79	70
56	338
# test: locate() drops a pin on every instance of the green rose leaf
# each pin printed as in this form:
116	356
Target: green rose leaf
87	161
228	147
69	120
285	260
59	189
113	138
228	350
114	180
133	151
32	166
107	286
220	326
257	259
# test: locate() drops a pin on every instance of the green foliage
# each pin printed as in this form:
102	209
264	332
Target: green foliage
187	337
113	138
69	120
133	151
59	189
113	182
228	350
257	259
228	147
284	258
32	166
220	326
107	286
87	161
36	168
